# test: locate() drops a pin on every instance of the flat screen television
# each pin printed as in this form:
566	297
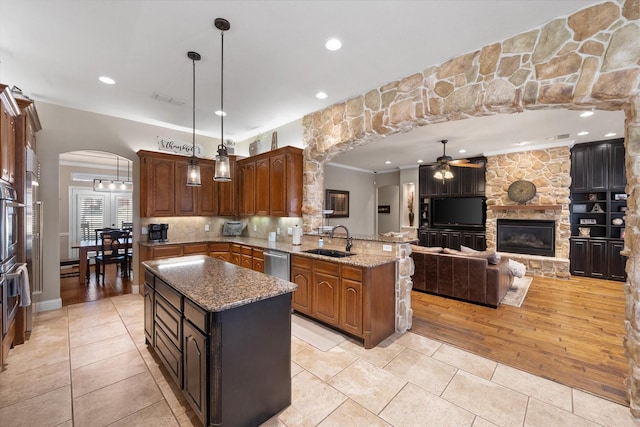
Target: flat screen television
459	212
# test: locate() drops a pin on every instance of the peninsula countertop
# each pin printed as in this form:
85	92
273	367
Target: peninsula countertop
361	259
216	285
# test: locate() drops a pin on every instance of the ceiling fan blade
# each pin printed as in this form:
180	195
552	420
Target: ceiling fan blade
465	165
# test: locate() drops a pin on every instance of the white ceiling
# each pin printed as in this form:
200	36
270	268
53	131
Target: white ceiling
275	62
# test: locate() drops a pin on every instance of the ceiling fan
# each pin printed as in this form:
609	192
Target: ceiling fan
444	163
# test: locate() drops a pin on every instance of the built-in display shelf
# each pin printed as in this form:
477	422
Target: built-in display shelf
524	207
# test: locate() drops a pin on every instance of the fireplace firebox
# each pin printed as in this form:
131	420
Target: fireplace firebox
532	237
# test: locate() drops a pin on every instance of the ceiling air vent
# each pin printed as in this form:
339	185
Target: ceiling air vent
167	99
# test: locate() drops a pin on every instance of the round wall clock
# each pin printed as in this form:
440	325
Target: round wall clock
522	191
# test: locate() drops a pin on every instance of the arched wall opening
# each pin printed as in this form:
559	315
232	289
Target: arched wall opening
588	60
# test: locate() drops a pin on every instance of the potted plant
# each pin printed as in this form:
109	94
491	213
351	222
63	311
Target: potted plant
410	206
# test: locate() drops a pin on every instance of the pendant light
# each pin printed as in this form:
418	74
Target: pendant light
193	173
109	185
223	173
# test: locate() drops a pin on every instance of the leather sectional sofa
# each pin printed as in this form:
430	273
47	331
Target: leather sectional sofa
467	277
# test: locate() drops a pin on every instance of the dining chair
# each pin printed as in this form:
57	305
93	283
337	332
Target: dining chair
114	246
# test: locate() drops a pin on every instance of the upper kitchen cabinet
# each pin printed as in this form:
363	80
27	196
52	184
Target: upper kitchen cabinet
271	183
10	119
598	166
164	191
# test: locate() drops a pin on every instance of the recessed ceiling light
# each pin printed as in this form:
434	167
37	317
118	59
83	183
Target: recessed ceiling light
586	114
321	95
107	80
462	151
583	133
333	44
610	134
387	162
221	113
420	161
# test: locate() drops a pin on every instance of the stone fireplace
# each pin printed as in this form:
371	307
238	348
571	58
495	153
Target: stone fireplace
533	237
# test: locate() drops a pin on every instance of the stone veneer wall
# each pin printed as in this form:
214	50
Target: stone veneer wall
586	60
550	171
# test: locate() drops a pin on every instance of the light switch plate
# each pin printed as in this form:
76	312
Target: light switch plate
206	227
386	248
290	231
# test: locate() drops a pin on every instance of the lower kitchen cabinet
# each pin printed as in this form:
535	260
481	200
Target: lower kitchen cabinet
599	258
357	300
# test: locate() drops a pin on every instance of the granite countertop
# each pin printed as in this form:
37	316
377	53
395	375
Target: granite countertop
216	285
358	260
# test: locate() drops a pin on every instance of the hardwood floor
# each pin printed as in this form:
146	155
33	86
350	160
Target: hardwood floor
570	331
73	292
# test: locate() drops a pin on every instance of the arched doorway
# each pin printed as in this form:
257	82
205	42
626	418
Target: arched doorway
587	60
95	190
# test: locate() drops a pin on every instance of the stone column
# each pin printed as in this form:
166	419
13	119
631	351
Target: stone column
632	249
404	284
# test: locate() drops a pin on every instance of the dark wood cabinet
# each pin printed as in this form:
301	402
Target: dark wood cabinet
195	351
149	303
164	191
598	204
9	117
275	186
466	182
453	239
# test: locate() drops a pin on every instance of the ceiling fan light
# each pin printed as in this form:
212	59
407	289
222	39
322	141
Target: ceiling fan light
438	174
448	174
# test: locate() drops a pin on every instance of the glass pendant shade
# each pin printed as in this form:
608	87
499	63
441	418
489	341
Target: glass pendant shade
443	174
193	174
223	171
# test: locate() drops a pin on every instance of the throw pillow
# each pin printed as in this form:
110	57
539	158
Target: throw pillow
426	249
516	268
468	250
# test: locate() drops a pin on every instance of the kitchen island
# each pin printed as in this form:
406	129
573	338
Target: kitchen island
224	334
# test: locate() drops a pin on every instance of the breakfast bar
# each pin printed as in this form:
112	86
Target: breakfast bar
224	334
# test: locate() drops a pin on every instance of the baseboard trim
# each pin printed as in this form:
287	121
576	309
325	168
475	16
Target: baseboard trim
52	304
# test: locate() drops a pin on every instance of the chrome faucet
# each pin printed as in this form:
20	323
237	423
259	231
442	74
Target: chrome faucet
349	238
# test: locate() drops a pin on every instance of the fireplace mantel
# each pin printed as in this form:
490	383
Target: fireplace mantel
524	207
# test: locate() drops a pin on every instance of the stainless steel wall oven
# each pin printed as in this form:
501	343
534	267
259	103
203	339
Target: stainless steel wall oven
11	279
9	214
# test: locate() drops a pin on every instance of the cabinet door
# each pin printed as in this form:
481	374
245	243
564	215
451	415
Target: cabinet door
301	276
433	238
617	169
195	369
195	249
434	186
351	300
157	190
326	297
148	313
480	243
262	187
598	167
455	237
207	193
7	136
227	192
579	257
423	176
247	176
617	262
579	165
278	189
185	196
598	258
423	235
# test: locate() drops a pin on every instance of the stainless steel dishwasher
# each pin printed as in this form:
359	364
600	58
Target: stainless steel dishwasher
277	264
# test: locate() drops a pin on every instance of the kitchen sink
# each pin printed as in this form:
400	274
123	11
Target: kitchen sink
329	252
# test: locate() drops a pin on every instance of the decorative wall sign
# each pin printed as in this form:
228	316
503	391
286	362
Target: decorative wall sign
168	145
338	202
384	208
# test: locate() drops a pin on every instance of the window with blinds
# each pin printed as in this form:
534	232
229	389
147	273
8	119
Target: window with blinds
91	210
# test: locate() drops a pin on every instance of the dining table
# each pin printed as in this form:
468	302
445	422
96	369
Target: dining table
84	247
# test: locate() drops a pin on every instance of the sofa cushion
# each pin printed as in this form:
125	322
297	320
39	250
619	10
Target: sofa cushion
491	256
426	249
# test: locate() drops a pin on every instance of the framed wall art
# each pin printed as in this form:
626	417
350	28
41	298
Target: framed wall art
338	202
384	208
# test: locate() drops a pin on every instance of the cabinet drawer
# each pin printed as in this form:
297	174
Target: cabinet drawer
169	320
170	355
246	250
196	248
236	248
301	262
353	273
326	267
219	247
258	253
195	315
148	279
173	297
166	251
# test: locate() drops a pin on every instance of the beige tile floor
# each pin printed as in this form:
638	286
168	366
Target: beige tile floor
88	365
